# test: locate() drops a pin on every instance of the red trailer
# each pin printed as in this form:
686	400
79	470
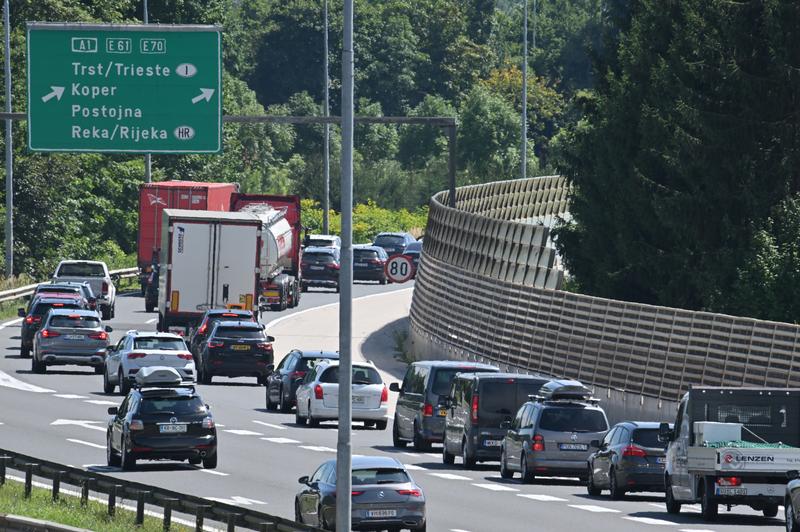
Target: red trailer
190	195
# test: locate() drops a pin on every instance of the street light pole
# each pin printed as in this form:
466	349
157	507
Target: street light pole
524	139
148	163
326	140
9	152
343	448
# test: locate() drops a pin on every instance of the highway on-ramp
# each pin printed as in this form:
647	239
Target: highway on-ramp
61	416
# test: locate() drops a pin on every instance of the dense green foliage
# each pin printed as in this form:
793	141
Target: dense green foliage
686	159
368	220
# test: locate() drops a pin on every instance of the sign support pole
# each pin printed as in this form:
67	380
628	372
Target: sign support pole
148	163
9	232
344	479
326	204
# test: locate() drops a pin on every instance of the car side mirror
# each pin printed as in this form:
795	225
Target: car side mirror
112	411
270	339
303	480
665	434
270	368
21	312
109	329
595	444
208	407
505	424
394	386
793	474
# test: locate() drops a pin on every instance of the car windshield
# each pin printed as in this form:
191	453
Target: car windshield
154	342
443	378
364	254
647	438
320	242
75	322
381	475
414	247
389	240
58	289
361	375
572	419
81	269
318	258
174	406
238	332
43	308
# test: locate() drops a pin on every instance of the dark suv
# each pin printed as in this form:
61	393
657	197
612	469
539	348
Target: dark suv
320	267
420	416
236	349
368	263
394	243
33	318
477	407
207	322
282	384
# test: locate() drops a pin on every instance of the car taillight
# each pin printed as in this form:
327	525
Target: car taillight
538	443
318	391
264	347
410	493
185	356
203	328
136	424
297	374
105	287
208	423
49	334
632	450
132	356
355	493
215	345
729	481
475	408
102	335
333	266
29	320
385	394
427	410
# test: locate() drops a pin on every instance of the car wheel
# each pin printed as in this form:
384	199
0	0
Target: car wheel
270	405
298	516
613	485
591	487
112	458
673	506
505	472
149	308
381	424
113	311
299	420
98	370
527	475
205	376
323	521
337	288
106	312
261	380
38	367
770	510
284	405
420	444
791	521
304	288
709	508
196	460
24	352
312	422
396	441
108	386
128	463
467	459
368	424
124	385
382	281
210	462
447	458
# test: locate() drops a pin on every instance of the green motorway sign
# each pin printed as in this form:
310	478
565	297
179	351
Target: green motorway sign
124	88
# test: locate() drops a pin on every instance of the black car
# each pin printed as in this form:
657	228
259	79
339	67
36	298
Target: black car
281	392
414	250
161	419
207	322
33	318
236	349
394	243
368	263
320	267
629	458
151	289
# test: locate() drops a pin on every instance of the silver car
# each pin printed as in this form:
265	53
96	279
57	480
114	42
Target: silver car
70	337
384	496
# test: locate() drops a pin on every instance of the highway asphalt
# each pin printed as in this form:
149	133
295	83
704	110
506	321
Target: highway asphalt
61	416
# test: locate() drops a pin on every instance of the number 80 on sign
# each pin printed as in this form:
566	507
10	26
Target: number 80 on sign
399	268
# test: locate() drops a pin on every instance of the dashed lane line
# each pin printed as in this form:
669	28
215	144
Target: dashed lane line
318	448
270	425
7	381
86	443
595	509
212	472
280	440
694	530
450	476
495	487
151	320
649	521
70	396
80	423
541	498
101	402
693	508
410	467
242	432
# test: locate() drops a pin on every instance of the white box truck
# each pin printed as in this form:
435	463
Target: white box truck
208	260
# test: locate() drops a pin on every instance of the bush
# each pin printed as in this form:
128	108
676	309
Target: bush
368	220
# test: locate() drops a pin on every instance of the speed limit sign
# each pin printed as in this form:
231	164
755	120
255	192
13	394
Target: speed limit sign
399	268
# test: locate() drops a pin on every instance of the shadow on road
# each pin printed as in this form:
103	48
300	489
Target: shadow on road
380	348
56	372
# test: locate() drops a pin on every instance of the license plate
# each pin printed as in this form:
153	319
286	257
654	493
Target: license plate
661	460
381	513
492	443
240	347
573	446
360	264
74	337
271	293
732	491
171	429
358	399
443	412
317	267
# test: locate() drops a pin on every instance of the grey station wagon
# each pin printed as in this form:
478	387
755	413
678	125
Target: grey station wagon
70	337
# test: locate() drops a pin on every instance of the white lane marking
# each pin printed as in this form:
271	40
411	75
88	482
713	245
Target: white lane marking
237	500
410	467
211	472
434	455
87	443
592	508
8	381
694	530
101	402
241	432
9	323
276	321
70	396
79	423
152	320
649	521
450	476
1	423
318	448
270	425
495	487
219	425
541	498
458	530
280	440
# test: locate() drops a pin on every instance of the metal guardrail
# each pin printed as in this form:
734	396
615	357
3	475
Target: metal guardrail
482	291
117	489
22	291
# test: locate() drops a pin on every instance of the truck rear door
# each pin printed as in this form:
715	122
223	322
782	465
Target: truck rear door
237	247
191	273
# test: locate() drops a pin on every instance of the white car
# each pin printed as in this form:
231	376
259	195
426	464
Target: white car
318	395
96	274
137	350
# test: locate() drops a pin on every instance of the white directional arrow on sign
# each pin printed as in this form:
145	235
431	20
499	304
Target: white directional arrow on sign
79	423
55	93
205	94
